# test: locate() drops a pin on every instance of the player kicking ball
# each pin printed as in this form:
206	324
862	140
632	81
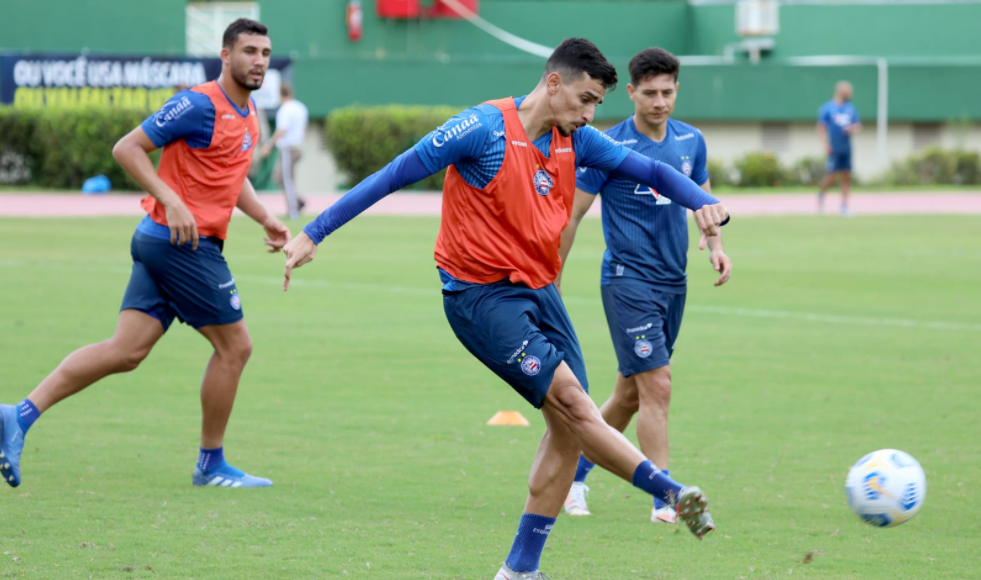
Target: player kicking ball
507	197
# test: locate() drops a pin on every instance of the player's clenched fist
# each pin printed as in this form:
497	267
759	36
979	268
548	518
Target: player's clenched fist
299	251
710	217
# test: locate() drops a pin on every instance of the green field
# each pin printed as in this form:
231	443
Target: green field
834	338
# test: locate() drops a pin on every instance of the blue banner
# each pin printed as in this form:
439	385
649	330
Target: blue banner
32	81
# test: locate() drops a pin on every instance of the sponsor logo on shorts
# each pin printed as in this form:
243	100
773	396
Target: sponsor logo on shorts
236	302
518	352
643	348
531	366
543	182
640	328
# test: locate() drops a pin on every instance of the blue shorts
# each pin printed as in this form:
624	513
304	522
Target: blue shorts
519	333
193	285
839	162
644	324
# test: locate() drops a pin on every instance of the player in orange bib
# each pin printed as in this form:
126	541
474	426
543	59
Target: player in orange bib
207	134
507	197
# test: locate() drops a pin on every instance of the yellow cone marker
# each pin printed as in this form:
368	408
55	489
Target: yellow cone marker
508	418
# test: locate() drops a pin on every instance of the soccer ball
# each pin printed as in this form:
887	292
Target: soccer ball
886	487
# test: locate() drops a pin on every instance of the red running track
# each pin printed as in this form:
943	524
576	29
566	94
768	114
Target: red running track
428	204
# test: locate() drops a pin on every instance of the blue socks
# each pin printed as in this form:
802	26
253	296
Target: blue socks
658	503
585	466
529	542
656	482
27	413
212	460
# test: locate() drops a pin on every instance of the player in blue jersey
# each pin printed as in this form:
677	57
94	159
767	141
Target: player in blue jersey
643	278
506	200
837	122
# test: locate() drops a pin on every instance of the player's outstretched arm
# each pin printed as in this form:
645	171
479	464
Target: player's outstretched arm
405	170
277	234
710	214
132	154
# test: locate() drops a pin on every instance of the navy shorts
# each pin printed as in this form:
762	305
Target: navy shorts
519	333
839	162
644	324
193	285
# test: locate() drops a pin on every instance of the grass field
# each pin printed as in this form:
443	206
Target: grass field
834	338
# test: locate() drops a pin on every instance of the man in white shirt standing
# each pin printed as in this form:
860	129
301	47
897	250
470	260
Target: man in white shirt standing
291	126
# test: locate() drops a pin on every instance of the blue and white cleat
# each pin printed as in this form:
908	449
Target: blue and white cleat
227	476
692	510
11	445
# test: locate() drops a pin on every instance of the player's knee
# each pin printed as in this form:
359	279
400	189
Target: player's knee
129	357
239	350
576	405
627	399
655	387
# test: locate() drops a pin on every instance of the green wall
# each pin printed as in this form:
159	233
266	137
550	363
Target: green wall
103	27
889	30
452	62
618	27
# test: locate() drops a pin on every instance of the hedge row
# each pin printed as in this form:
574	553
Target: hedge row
364	139
62	148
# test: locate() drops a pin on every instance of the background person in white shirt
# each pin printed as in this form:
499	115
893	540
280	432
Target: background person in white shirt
291	126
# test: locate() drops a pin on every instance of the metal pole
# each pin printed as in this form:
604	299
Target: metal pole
882	115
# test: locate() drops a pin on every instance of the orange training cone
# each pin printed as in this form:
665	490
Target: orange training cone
508	418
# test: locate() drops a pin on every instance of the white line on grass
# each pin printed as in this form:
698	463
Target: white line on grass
724	310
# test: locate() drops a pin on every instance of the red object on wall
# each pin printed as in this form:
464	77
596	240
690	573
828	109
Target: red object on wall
441	10
398	8
354	20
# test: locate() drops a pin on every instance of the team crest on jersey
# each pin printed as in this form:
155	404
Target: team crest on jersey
686	168
247	142
643	190
531	366
543	182
236	302
643	348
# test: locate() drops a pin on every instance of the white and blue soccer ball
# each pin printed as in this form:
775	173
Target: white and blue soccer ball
886	488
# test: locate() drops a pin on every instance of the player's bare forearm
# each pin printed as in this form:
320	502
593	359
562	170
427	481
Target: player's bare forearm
250	205
277	234
715	242
132	154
